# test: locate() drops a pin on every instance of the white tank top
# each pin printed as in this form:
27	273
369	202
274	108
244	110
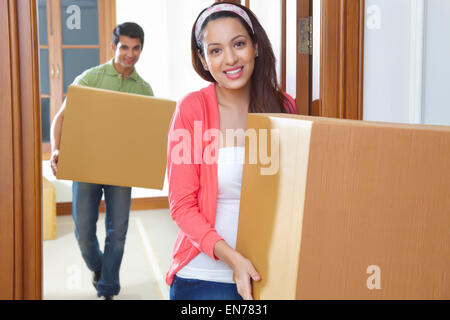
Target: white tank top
229	175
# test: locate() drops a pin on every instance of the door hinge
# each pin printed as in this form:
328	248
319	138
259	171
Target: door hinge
305	36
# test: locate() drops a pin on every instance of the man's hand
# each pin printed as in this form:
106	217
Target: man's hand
54	161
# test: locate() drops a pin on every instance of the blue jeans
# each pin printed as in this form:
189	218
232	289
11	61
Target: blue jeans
85	204
193	289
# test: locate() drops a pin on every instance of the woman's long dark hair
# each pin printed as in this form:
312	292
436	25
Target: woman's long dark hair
265	93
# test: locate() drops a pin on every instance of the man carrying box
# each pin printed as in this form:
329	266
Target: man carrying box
118	74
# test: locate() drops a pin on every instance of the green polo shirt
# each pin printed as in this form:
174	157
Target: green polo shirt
105	76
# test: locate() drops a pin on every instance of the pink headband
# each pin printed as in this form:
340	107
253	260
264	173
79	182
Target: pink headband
218	8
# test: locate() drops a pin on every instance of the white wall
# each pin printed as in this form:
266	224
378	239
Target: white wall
268	13
166	59
387	60
436	95
406	61
291	47
269	16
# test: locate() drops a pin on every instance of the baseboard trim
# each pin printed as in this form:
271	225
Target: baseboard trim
65	208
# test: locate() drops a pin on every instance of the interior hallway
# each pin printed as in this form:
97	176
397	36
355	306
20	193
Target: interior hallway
150	239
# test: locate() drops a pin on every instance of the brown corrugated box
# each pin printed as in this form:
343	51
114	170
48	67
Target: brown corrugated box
48	210
114	138
357	210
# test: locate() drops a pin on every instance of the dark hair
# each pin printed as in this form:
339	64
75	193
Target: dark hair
129	29
265	93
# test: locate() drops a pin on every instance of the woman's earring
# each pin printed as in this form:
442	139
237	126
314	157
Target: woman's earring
206	68
257	54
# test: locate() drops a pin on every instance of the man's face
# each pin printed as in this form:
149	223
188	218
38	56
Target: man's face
127	51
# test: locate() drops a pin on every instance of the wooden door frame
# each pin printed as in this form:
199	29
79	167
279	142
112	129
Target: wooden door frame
20	149
21	152
304	64
106	25
342	61
7	128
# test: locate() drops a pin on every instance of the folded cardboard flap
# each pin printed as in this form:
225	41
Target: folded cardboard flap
263	232
114	138
350	197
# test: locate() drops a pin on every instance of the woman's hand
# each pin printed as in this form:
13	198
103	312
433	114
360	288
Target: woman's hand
243	269
244	273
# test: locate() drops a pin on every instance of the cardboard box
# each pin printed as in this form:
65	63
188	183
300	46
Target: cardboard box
114	138
357	210
49	210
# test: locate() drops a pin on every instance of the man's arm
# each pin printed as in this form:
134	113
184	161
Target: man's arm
55	137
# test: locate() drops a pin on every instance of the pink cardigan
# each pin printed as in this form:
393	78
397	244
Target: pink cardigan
193	185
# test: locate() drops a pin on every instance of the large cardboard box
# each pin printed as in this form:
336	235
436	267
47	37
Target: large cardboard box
114	138
356	210
49	210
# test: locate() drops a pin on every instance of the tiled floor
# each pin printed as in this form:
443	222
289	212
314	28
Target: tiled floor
150	239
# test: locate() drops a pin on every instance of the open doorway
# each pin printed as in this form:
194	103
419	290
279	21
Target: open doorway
23	168
73	37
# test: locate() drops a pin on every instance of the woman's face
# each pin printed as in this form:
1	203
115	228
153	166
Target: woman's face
229	54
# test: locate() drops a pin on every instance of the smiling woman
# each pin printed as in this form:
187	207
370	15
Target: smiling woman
265	94
228	54
229	48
